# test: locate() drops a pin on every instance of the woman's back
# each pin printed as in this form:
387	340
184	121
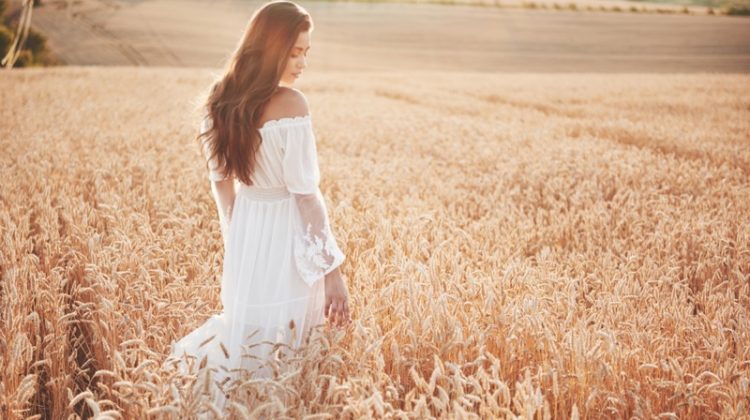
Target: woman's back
280	275
285	103
286	135
279	246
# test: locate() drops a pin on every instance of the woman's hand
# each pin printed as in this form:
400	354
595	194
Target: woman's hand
336	308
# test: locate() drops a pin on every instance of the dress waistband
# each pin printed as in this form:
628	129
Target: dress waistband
263	193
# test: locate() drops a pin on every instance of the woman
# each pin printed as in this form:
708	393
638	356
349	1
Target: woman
281	263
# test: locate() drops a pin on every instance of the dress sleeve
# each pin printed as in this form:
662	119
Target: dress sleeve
316	252
214	172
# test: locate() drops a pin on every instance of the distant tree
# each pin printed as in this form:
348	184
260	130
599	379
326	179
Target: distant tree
6	40
25	59
738	9
36	42
18	54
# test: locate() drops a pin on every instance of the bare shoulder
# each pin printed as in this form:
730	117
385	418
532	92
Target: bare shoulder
285	103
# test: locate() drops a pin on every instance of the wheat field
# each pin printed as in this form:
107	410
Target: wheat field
518	245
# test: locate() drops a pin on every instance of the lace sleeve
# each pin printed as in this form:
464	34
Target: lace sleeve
316	252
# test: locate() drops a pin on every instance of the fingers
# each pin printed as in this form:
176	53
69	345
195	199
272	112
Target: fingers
346	316
338	307
337	312
332	309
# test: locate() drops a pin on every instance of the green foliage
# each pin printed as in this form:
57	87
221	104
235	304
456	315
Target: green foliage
36	42
6	40
714	7
738	9
34	50
25	59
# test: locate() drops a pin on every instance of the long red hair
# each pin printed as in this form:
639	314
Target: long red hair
252	74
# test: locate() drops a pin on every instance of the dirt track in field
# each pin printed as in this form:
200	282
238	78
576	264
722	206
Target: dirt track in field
402	37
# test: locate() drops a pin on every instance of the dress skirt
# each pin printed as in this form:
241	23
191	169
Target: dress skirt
265	299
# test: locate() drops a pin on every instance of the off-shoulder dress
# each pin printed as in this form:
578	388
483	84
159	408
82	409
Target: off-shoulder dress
278	246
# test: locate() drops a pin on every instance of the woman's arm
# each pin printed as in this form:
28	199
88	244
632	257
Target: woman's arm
224	195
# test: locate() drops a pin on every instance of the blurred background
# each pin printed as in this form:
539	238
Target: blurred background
372	35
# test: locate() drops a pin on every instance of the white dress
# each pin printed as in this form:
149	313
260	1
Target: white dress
278	247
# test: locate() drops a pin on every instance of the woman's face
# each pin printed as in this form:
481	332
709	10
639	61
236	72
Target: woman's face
297	60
